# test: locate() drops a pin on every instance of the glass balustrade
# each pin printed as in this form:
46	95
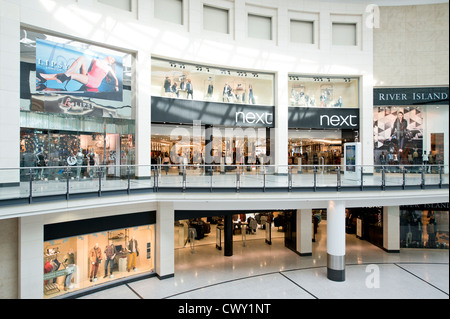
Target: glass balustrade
48	182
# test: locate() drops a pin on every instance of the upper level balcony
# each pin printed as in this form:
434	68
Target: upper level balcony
65	184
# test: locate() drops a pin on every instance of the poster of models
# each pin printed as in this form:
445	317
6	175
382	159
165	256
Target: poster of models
66	69
398	135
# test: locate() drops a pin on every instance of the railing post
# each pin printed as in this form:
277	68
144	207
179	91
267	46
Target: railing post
30	197
422	183
338	181
440	176
383	177
404	178
315	177
210	178
290	178
100	173
264	189
362	177
184	178
67	170
129	181
238	181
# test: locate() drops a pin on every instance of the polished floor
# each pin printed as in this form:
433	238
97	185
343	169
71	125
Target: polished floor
262	272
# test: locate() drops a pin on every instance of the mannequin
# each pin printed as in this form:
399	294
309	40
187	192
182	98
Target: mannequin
110	253
91	162
69	262
80	157
40	160
133	253
95	258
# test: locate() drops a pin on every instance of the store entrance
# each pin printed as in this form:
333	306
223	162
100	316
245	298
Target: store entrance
318	147
195	229
229	146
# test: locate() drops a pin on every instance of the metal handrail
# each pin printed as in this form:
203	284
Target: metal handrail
41	182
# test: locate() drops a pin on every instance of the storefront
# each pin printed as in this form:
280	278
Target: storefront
323	116
424	226
75	105
193	122
411	126
85	254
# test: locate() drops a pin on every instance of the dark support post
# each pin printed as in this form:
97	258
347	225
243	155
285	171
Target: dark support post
208	149
228	235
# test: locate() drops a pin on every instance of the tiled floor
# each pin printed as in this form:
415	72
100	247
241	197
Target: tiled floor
261	272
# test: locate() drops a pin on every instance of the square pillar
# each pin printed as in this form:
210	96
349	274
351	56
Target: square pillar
304	232
391	229
31	249
165	245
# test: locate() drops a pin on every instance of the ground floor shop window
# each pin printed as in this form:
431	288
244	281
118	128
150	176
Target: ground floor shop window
424	228
84	261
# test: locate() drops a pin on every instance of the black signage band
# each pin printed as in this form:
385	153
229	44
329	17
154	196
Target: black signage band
410	96
169	110
324	118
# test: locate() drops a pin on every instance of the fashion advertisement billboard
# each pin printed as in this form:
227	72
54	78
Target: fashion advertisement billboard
65	69
398	135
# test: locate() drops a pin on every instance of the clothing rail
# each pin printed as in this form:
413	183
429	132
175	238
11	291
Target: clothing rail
29	185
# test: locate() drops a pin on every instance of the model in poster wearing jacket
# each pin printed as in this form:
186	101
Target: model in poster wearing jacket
399	130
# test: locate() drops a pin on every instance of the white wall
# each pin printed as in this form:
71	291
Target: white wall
140	33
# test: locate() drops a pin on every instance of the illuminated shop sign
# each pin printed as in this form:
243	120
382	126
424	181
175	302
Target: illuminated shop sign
254	118
323	118
410	96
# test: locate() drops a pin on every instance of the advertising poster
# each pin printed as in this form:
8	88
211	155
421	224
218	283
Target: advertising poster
398	135
63	69
350	158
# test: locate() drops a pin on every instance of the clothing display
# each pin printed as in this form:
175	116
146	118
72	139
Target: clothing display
110	254
133	253
95	257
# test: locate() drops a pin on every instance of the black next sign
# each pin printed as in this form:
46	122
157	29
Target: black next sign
324	118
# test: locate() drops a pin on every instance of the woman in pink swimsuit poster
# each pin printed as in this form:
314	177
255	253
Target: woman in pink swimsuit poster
91	75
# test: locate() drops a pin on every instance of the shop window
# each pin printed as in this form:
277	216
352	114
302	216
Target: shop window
85	261
215	19
302	31
67	114
259	27
169	10
323	91
424	228
173	79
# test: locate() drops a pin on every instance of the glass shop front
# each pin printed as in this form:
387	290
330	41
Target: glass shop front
75	105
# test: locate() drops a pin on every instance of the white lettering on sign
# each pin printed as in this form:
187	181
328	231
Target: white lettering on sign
254	118
392	97
338	120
